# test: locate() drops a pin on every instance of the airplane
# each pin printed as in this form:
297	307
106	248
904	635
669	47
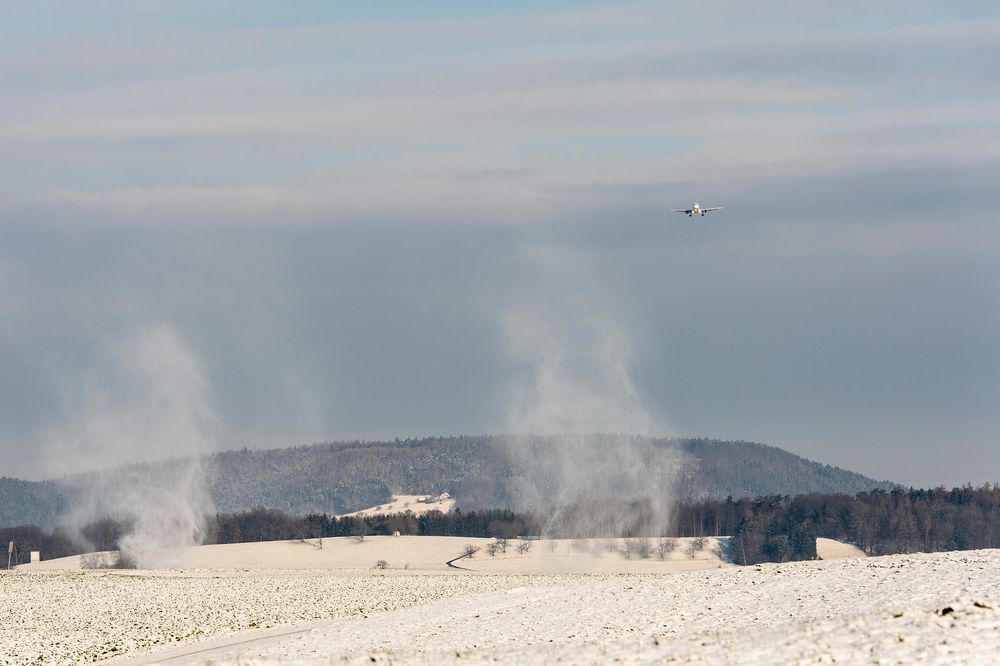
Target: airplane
695	209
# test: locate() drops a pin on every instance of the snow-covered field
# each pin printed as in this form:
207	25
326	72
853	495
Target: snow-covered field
415	504
79	616
901	609
432	554
941	608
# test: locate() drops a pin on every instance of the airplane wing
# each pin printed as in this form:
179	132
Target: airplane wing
716	208
679	210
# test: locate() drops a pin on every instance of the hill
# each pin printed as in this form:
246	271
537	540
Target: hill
33	502
480	471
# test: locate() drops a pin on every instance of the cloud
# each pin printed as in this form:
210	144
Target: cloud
345	203
434	116
333	212
312	119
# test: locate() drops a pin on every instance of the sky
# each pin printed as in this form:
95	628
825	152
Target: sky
268	224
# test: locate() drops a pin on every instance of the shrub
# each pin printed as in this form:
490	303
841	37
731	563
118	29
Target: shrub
664	546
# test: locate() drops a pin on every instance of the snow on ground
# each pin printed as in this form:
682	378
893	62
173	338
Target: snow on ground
81	616
941	608
602	556
433	553
829	549
417	504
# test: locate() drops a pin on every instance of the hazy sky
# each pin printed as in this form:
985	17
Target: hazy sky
275	223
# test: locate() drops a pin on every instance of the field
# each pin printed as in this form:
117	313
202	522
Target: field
434	553
938	607
415	504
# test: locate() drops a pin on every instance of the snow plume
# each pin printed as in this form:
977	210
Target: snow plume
147	401
588	432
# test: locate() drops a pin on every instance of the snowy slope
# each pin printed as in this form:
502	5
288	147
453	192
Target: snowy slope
940	607
943	608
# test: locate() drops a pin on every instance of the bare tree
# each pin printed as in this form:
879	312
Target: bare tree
360	531
523	547
695	546
664	546
382	565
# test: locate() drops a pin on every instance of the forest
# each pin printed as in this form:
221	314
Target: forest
768	528
484	471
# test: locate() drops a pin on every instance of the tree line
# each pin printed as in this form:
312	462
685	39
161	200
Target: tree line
774	528
778	527
268	525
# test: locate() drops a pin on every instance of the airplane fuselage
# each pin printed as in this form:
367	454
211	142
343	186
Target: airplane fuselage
696	209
